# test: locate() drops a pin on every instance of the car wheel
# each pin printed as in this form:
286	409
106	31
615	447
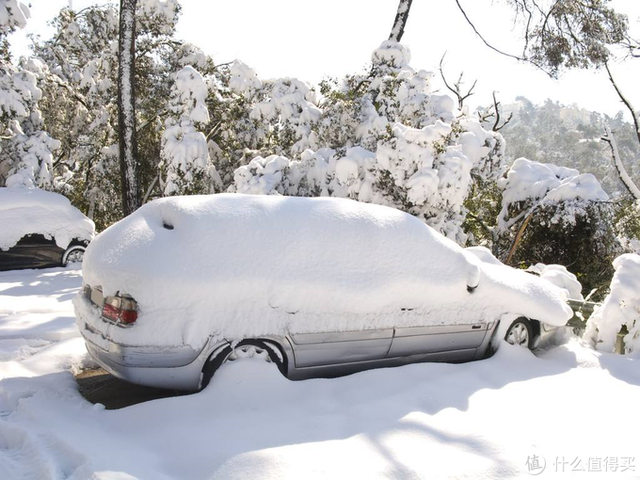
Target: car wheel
73	254
520	333
265	350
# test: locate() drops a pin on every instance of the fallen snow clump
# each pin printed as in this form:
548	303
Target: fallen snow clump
560	277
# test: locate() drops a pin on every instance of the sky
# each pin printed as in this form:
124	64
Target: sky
312	40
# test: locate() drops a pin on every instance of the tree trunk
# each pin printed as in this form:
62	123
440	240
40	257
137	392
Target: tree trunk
126	108
401	20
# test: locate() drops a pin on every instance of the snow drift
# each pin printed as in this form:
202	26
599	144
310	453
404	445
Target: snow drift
620	308
26	211
238	266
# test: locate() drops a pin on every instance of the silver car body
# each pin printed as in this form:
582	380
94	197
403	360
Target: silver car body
306	355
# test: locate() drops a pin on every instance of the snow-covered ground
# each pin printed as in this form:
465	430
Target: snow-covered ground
570	409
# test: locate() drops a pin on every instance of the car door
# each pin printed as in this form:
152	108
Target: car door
335	348
47	252
445	342
19	256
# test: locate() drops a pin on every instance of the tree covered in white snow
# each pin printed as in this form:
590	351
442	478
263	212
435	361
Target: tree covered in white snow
620	309
186	164
554	214
79	101
382	137
569	136
252	117
13	15
26	157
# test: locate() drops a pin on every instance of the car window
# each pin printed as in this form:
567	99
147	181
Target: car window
34	239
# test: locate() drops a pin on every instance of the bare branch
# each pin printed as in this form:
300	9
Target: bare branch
150	189
456	89
74	93
516	240
466	17
496	106
215	67
213	131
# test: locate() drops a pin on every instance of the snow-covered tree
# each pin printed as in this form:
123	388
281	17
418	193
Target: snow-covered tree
79	104
13	15
569	136
26	157
620	309
554	214
185	154
79	107
236	136
384	137
252	117
288	114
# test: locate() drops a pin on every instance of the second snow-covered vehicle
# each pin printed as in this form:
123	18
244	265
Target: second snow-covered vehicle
320	287
40	229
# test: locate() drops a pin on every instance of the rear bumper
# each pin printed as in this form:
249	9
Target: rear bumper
175	367
181	377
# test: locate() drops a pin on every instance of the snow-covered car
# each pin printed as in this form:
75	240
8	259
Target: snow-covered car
320	287
40	229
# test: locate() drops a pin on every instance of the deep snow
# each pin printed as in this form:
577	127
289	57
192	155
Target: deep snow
570	407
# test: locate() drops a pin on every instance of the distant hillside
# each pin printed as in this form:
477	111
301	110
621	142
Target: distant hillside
569	136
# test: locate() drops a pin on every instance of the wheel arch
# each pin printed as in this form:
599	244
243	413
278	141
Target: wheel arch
70	249
275	346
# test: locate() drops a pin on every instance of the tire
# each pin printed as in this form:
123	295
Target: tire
520	333
246	348
73	254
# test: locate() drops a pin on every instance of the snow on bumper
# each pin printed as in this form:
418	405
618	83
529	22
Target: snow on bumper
177	367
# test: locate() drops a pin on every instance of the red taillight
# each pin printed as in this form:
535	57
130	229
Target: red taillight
120	310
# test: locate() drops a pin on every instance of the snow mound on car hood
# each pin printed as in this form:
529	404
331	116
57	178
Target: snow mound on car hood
26	211
238	266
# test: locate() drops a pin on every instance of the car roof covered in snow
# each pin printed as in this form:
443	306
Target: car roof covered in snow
244	265
25	211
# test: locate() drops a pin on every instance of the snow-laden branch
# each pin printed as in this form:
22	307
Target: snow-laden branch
537	185
617	163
